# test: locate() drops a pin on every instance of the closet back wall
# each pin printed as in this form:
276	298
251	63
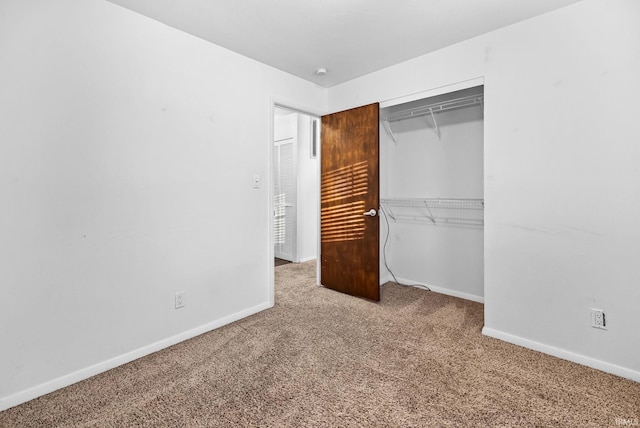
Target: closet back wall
447	258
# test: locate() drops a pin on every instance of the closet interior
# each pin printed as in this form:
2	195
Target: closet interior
431	193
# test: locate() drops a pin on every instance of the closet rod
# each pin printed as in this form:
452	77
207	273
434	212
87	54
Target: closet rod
434	108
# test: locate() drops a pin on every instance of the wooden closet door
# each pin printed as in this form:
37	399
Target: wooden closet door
349	229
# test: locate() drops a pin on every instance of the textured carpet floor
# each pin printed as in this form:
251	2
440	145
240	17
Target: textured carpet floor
322	359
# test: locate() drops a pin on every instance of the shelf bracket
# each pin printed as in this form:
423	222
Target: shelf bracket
388	211
387	128
430	216
435	124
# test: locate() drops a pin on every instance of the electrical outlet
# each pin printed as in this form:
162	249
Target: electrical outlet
179	299
598	319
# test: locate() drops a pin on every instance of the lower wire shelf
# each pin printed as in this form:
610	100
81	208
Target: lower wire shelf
437	211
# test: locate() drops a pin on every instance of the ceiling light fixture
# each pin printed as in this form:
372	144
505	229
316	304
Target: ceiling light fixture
321	71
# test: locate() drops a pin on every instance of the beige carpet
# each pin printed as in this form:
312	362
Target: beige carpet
322	359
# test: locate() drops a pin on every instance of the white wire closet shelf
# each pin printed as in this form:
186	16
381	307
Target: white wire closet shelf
430	110
437	211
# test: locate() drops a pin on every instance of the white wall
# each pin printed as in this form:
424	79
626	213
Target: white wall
127	156
445	257
308	193
561	174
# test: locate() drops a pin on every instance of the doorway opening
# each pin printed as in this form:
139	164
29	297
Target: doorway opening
295	186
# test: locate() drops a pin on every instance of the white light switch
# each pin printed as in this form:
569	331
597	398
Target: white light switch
256	181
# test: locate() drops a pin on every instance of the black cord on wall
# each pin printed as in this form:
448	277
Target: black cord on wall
384	256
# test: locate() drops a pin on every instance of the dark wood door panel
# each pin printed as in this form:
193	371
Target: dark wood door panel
349	187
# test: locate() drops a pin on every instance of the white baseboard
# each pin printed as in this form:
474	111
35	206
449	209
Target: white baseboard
563	354
82	374
436	289
385	279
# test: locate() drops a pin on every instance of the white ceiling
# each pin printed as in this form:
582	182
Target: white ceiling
350	38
